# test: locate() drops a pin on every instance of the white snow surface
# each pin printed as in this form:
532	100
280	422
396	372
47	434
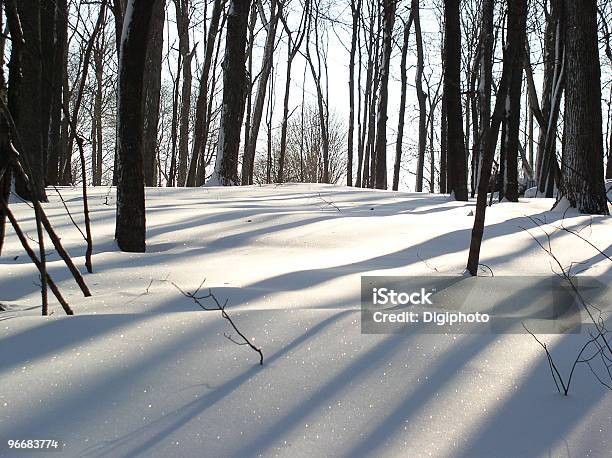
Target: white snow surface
141	371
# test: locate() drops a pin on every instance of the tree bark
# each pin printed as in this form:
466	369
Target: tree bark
130	229
486	82
293	48
260	97
54	147
402	107
421	96
152	88
29	115
457	161
321	100
512	68
582	167
356	13
383	97
517	25
183	23
547	166
234	90
200	133
443	148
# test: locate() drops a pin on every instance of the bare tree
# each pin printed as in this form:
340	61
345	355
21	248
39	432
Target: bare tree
234	90
512	120
402	108
293	47
457	161
264	74
130	231
27	111
389	7
512	68
319	72
152	87
421	96
582	166
202	120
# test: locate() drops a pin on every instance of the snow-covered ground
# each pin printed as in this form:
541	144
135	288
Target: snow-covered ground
141	371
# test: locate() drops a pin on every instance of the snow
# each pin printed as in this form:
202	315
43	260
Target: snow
142	371
531	193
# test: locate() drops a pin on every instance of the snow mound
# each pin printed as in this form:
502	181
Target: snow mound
142	371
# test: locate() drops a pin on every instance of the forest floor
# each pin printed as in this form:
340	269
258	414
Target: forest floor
142	371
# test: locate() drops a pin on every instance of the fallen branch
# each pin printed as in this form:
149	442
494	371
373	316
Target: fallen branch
329	203
197	299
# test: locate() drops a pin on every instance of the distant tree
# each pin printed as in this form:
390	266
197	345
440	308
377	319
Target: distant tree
355	15
421	96
402	108
130	229
195	176
183	14
457	161
262	86
294	42
234	91
317	64
389	7
304	160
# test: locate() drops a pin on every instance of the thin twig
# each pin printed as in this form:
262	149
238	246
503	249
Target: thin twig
197	299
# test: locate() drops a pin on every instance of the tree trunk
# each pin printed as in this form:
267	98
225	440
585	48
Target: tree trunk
48	10
457	161
383	98
234	90
517	24
547	166
421	97
200	133
28	117
293	48
512	68
402	107
356	13
486	82
321	100
54	147
582	168
130	229
96	147
443	148
369	95
260	97
5	153
183	23
152	88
